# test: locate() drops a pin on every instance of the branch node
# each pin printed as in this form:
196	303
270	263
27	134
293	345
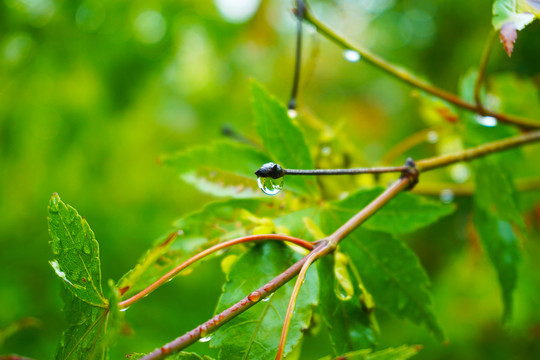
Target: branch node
410	172
272	170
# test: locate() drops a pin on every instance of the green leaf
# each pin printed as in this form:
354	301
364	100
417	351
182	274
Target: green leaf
76	252
405	213
509	16
93	320
215	223
282	139
400	353
222	168
178	356
349	326
502	247
255	334
393	276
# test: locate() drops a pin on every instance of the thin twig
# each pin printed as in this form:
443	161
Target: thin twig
482	69
411	79
300	11
171	274
352	171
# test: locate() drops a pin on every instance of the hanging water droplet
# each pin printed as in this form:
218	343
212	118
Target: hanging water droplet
292	113
488	121
205	339
124	309
432	137
446	196
267	298
351	55
270	186
326	151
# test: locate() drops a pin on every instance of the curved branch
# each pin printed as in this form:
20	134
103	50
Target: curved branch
168	276
482	69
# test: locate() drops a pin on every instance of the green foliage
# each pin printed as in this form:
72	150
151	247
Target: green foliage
93	320
255	334
179	356
400	353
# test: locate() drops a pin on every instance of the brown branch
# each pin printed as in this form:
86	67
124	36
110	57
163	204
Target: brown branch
171	274
413	80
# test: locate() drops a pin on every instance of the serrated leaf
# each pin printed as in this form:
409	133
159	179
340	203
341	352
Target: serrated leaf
509	16
405	213
502	247
178	356
400	353
76	252
223	168
393	276
216	222
349	326
92	319
255	334
282	139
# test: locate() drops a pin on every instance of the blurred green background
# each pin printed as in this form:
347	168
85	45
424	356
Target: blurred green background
93	92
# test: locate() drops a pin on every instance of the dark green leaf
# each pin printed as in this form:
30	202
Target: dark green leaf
405	213
178	356
223	168
393	276
349	326
400	353
255	334
282	139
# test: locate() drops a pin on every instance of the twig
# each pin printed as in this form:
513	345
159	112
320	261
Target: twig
482	70
300	11
411	79
168	276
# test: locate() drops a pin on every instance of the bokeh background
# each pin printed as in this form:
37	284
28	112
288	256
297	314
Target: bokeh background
93	92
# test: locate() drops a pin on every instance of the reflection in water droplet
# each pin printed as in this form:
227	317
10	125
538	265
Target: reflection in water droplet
351	55
292	113
488	121
205	339
432	137
270	186
446	196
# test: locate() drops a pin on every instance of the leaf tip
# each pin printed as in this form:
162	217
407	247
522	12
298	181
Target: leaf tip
508	36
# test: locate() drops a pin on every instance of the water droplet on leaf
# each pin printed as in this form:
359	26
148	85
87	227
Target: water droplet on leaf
446	196
432	137
351	55
270	186
205	339
488	121
267	298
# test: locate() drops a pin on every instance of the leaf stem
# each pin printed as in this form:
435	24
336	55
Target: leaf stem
407	77
353	171
171	274
299	12
482	69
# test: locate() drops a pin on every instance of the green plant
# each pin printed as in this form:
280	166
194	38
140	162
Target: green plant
360	269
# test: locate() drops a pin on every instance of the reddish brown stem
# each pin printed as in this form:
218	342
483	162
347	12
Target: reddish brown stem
168	276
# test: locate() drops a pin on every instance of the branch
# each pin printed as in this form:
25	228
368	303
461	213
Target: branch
407	77
435	188
171	274
299	12
482	70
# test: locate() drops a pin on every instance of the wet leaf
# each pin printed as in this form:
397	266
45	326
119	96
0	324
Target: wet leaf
282	139
255	334
509	16
179	356
400	353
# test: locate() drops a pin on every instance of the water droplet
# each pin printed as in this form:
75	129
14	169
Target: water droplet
488	121
292	113
267	298
124	309
460	173
270	186
432	137
205	339
351	55
446	196
254	296
326	151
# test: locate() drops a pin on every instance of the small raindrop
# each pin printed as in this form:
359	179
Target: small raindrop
124	309
270	186
460	173
432	137
254	296
446	196
205	339
326	151
488	121
292	113
351	55
267	298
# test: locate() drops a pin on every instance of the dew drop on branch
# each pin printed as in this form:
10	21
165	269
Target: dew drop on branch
205	339
270	186
488	121
351	55
292	113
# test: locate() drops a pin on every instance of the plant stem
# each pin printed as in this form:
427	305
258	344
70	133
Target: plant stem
478	151
482	69
171	274
411	79
300	11
353	171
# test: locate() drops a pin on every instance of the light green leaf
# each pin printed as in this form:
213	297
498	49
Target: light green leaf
405	213
178	356
223	168
215	223
93	320
282	139
76	252
400	353
349	326
255	334
393	276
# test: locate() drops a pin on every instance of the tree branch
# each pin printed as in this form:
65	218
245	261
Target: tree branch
482	69
409	78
